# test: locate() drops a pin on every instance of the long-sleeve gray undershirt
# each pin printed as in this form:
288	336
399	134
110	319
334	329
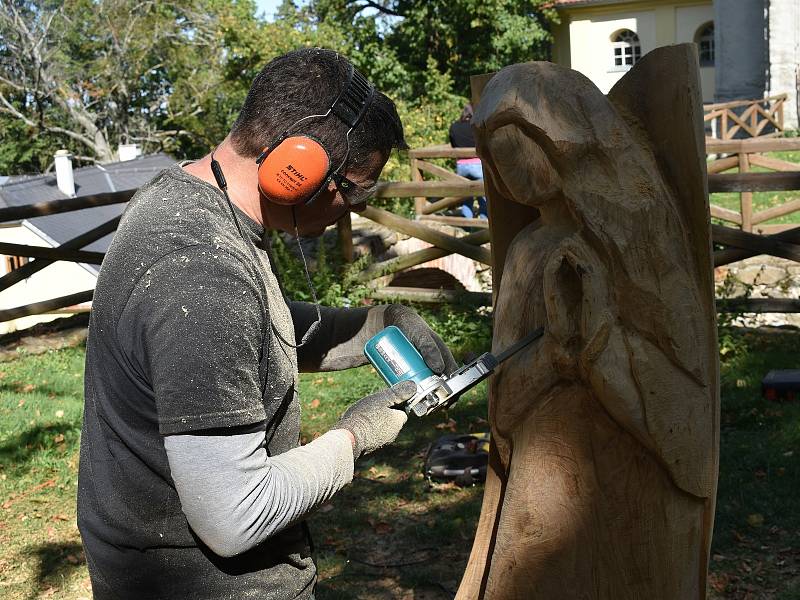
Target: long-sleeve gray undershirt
235	496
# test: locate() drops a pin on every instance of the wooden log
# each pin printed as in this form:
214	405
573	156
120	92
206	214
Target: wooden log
772	228
456	221
26	270
53	254
429	189
476	85
754	182
422	295
758	305
427	234
754	242
725	214
52	207
433	169
730	255
38	308
420	202
442	204
773	163
745	198
752	145
344	230
400	263
776	211
605	432
723	164
442	151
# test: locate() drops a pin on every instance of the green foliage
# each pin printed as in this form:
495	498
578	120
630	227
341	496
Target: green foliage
456	38
334	280
467	329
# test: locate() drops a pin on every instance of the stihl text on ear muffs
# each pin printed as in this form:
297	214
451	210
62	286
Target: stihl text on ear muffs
295	168
294	171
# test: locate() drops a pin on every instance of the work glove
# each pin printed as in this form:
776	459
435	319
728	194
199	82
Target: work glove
376	420
433	350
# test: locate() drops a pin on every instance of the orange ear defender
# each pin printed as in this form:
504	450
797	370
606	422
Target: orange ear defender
294	170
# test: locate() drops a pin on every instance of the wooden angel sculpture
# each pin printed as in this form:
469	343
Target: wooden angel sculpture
605	433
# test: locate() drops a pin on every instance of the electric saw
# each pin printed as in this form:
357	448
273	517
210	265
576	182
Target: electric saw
396	359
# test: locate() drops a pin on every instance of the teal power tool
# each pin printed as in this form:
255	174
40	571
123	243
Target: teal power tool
396	359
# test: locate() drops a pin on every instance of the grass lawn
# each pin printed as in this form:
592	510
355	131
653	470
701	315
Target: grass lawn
763	200
390	534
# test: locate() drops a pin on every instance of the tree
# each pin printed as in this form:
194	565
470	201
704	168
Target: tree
462	37
98	73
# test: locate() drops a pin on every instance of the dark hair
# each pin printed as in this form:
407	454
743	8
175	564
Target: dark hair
306	82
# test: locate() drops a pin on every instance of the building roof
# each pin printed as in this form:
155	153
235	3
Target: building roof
113	177
571	3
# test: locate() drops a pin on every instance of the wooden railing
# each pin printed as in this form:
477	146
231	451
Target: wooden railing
746	118
421	166
742	155
738	243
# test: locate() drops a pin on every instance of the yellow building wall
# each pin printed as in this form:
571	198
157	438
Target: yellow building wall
58	279
582	41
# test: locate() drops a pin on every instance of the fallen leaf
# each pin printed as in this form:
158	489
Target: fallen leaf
59	438
28	388
326	508
755	520
20	403
450	424
72	559
59	413
60	517
331	380
718	581
382	528
314	403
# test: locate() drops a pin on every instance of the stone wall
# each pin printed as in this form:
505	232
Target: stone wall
761	277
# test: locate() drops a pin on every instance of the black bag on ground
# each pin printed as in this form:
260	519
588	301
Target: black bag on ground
459	458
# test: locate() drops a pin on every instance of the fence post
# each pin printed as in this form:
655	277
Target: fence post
344	227
745	198
416	175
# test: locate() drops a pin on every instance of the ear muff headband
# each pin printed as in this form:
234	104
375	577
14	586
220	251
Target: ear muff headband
295	169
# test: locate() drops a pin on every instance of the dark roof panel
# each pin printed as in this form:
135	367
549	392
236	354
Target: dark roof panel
57	229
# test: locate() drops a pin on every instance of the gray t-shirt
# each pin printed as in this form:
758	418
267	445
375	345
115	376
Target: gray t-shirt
188	333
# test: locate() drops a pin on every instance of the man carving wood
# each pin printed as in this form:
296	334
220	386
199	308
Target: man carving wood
604	465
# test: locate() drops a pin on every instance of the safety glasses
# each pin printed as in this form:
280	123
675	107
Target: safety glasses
355	194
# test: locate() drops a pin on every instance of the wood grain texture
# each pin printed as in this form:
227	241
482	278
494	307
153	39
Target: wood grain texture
604	460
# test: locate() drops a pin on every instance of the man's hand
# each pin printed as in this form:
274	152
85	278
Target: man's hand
435	352
376	420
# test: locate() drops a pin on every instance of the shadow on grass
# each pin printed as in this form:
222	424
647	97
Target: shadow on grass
56	562
391	532
20	450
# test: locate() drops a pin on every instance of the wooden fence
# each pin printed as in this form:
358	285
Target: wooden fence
742	155
746	118
431	196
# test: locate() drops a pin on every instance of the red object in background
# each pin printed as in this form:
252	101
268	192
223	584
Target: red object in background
781	385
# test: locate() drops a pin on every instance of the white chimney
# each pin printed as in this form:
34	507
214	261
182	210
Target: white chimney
64	176
128	152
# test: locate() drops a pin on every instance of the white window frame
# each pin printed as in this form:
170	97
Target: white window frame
626	50
704	38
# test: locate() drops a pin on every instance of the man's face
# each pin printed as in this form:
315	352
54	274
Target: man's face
329	205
